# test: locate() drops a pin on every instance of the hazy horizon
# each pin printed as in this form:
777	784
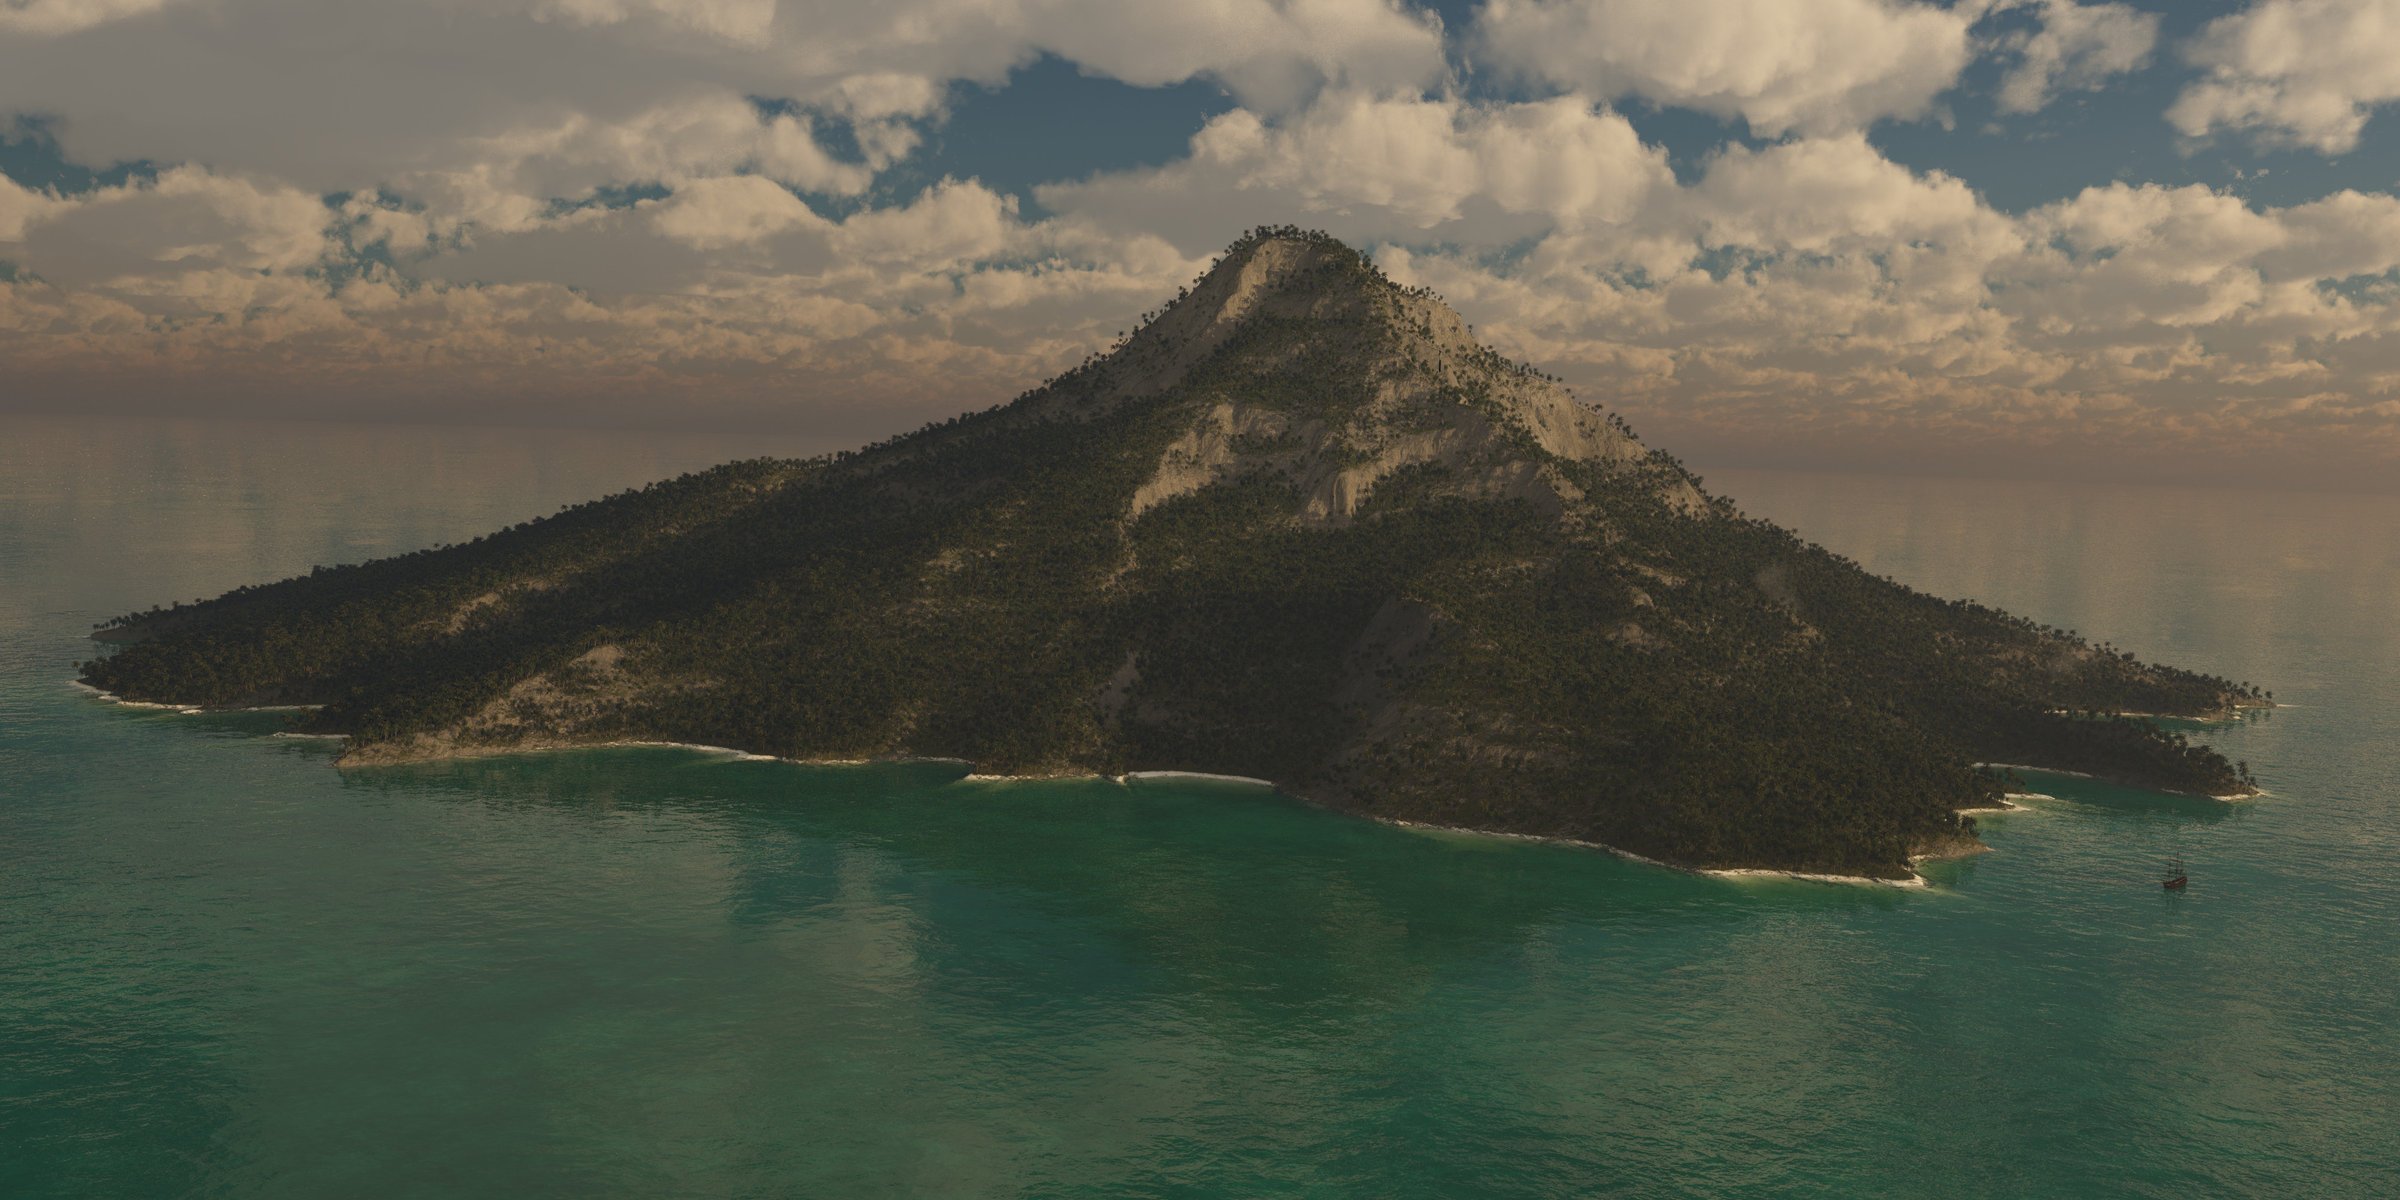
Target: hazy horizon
679	449
2099	240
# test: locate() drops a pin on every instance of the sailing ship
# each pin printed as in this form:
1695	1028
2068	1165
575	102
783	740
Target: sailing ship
2175	878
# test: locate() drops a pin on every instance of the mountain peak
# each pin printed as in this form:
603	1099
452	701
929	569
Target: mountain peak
1269	273
1303	360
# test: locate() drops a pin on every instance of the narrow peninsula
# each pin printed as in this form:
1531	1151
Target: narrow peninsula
1299	526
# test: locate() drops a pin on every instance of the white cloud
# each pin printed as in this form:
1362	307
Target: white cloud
886	94
1813	288
1271	52
187	219
1272	55
52	18
2342	236
1563	159
507	180
1824	194
1810	287
1387	167
1817	289
20	207
2078	47
736	210
336	97
2122	255
908	322
744	22
1814	66
2302	72
951	226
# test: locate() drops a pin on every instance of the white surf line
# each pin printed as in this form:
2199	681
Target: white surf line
2228	799
1201	775
2010	802
702	747
2215	719
2030	767
728	753
1914	880
1121	780
185	709
754	756
113	698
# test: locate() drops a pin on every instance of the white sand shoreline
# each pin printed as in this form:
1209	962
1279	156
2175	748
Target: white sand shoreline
2012	802
754	756
2229	798
186	709
113	698
1912	882
2215	719
1200	775
2031	767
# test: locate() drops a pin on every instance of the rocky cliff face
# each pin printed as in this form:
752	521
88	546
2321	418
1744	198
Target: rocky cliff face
1301	526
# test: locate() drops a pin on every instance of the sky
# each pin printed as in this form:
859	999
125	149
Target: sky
2128	239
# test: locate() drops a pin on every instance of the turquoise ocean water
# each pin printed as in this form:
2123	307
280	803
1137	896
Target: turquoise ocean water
229	969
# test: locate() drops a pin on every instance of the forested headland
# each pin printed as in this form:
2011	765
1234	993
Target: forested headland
1297	525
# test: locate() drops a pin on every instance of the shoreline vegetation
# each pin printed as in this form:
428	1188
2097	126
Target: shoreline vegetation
1913	881
2011	802
1296	525
2251	792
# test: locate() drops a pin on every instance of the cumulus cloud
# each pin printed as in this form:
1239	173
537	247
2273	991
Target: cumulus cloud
2127	319
1389	167
735	210
950	224
1813	66
19	207
1818	289
1271	52
743	22
615	225
712	303
507	180
51	18
1824	194
2077	47
1271	55
2301	72
185	219
325	94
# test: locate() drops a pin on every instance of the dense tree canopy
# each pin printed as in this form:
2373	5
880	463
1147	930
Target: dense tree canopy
1496	636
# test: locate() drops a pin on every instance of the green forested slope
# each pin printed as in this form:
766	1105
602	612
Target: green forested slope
1299	526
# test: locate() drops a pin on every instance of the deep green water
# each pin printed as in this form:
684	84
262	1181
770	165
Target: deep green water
227	968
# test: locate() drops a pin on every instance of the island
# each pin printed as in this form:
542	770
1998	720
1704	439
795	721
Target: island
1298	526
